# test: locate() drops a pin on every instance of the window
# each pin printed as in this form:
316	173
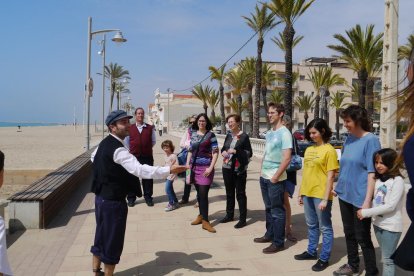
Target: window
301	93
301	77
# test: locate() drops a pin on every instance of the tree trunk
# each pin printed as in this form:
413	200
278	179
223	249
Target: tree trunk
306	118
213	116
250	102
362	78
112	95
369	99
239	105
326	107
264	96
316	109
256	124
288	33
337	123
223	119
205	107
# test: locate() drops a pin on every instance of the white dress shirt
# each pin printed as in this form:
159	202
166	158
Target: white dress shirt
131	164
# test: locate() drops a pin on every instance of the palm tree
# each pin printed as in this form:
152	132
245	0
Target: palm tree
237	80
289	11
259	22
276	97
248	66
120	88
268	77
337	102
404	51
201	93
323	78
213	100
218	75
305	103
281	43
358	48
236	107
114	72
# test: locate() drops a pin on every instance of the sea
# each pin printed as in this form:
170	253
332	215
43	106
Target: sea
26	124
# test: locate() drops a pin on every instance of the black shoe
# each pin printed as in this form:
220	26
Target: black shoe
305	256
263	239
240	224
131	203
150	203
273	249
227	218
320	266
183	202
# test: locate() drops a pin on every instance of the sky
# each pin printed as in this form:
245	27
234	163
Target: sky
170	44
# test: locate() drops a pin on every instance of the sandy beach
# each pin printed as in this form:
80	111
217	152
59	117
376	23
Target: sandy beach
35	151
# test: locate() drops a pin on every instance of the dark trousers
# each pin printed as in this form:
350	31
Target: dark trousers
111	218
235	188
273	198
187	191
202	197
358	232
147	184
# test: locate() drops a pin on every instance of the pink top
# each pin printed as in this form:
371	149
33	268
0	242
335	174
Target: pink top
170	160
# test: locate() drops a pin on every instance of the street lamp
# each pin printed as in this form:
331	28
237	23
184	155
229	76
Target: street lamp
89	82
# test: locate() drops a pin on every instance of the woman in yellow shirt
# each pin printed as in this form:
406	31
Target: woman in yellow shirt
320	164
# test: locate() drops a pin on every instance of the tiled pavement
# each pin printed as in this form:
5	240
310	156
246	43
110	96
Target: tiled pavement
164	243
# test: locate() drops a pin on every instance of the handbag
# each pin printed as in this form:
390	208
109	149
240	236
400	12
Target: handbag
182	160
295	161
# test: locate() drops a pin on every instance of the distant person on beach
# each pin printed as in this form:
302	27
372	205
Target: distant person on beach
236	153
141	140
272	179
185	144
115	172
4	261
160	129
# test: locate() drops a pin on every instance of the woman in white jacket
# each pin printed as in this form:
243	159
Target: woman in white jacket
386	206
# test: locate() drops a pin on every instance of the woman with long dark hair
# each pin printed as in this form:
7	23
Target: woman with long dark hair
201	159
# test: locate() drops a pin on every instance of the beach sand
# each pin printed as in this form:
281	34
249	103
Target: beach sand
35	151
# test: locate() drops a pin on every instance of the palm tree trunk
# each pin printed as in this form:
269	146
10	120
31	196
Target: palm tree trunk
205	107
112	95
337	123
316	109
264	96
306	118
213	116
223	119
250	101
288	33
256	125
369	99
239	105
326	107
362	77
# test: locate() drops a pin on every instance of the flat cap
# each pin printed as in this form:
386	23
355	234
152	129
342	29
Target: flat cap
115	116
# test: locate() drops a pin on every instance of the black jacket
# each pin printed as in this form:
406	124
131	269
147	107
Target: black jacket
243	150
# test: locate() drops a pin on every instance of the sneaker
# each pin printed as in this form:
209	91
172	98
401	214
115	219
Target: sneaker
346	269
183	202
320	265
169	208
305	256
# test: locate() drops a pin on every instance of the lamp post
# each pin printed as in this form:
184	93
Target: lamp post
89	82
103	52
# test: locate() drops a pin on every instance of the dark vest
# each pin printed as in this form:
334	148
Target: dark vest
110	180
140	144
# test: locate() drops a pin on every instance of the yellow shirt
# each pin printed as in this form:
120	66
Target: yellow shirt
318	161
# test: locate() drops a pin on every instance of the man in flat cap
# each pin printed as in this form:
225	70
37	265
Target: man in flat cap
114	175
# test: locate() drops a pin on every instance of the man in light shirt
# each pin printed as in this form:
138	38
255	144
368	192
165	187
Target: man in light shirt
115	172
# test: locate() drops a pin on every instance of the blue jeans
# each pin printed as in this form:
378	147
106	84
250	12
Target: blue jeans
273	194
388	242
319	222
169	190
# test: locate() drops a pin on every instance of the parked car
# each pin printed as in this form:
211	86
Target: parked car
262	135
299	134
343	136
337	144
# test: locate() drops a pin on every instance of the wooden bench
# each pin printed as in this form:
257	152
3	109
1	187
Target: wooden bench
40	202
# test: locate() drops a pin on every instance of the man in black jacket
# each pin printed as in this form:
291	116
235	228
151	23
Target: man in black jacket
114	175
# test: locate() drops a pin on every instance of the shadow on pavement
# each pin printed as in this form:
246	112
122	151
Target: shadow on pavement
166	262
